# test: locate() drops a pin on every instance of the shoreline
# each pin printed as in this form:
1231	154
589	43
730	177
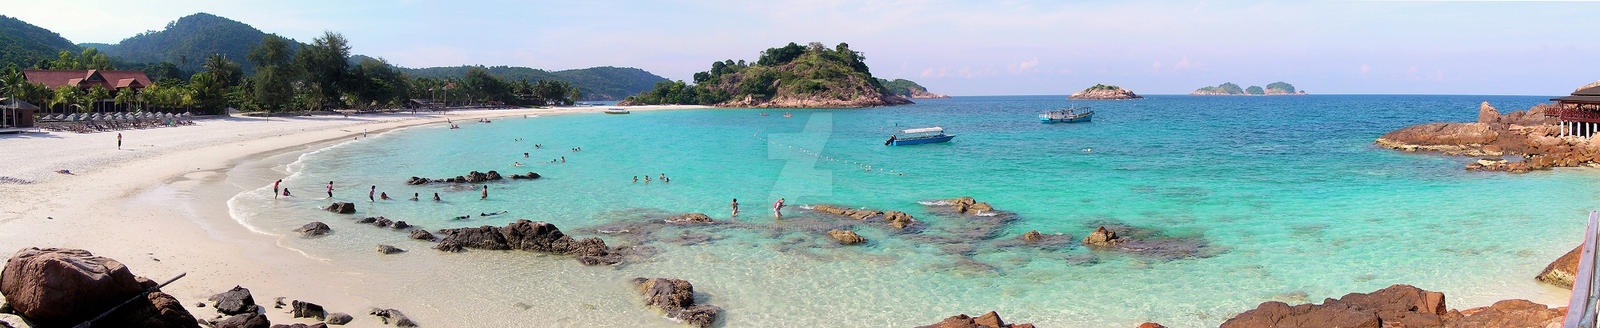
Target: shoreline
290	273
163	209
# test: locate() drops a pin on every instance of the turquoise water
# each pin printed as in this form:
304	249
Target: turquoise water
1287	196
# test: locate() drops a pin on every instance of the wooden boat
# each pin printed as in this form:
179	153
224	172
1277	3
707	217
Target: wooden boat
918	136
615	110
1069	115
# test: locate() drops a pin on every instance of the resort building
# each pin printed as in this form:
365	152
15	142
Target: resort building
113	81
1579	113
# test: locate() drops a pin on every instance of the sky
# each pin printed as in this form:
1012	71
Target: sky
952	47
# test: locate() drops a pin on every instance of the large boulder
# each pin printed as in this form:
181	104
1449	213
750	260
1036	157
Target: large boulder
987	320
1487	114
1395	306
62	287
301	309
1563	270
387	249
846	237
234	301
246	320
675	298
341	208
898	219
1510	313
530	236
420	234
1438	134
484	237
338	318
1101	237
529	176
313	229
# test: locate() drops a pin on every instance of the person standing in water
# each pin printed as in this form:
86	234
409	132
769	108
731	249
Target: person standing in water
371	193
485	193
777	208
285	193
735	207
435	197
635	179
414	196
330	189
275	188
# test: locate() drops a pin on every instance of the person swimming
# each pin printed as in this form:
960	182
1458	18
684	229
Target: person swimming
383	196
285	192
492	214
635	179
435	197
463	217
414	195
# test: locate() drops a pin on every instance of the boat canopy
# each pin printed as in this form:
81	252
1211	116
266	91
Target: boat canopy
923	130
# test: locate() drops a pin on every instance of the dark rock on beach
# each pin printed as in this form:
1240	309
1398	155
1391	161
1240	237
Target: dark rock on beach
313	229
341	208
369	220
675	298
393	317
987	320
300	309
386	249
245	320
338	318
400	225
61	287
382	222
301	325
234	301
1563	270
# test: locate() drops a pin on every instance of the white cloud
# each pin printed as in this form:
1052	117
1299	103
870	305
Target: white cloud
1183	64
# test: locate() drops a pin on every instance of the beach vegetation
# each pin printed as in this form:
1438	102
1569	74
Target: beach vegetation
812	71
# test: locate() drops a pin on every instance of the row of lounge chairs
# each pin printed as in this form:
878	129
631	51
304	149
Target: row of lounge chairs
103	125
112	116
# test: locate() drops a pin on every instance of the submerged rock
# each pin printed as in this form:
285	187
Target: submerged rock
62	287
675	298
987	320
1101	237
690	218
386	249
420	234
529	176
313	229
1563	270
846	237
341	208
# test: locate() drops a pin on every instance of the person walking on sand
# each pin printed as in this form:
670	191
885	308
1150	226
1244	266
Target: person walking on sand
371	193
275	188
485	193
777	208
735	207
330	189
119	140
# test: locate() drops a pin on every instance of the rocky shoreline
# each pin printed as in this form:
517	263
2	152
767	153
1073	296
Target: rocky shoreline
870	99
1528	135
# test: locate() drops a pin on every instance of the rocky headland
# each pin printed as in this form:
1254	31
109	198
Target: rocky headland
1529	135
1104	92
1397	306
791	76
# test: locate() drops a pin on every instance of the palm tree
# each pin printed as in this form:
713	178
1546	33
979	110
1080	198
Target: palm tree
124	97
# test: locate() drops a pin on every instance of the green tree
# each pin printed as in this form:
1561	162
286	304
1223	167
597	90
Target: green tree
271	88
124	98
325	64
220	67
65	96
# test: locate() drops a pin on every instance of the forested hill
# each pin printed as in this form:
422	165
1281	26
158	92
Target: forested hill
596	83
24	44
791	76
188	41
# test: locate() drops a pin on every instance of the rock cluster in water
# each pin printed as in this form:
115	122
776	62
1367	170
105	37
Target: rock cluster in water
1104	92
530	236
471	177
675	299
1563	271
55	287
341	208
987	320
1396	306
1529	134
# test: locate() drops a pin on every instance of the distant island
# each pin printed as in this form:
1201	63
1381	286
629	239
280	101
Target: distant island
1230	89
907	88
792	76
1104	92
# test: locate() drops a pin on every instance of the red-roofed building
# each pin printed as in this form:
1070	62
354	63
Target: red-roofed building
111	80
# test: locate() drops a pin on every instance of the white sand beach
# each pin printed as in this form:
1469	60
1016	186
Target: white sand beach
159	205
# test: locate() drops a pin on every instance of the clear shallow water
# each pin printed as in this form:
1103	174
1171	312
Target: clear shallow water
1288	192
